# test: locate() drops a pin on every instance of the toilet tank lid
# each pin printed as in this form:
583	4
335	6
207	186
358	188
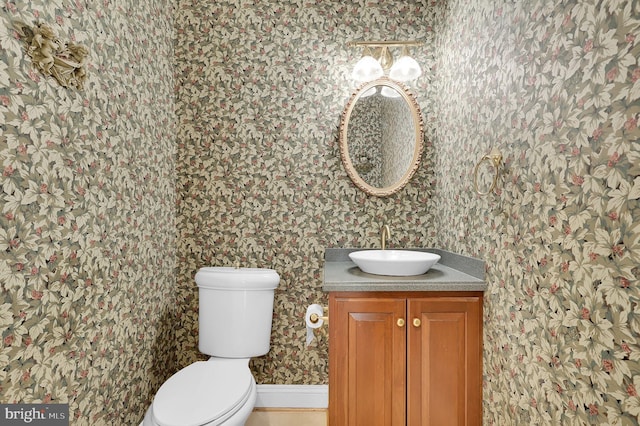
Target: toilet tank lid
226	278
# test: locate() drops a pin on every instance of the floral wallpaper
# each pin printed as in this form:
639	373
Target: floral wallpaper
260	90
554	86
87	223
207	134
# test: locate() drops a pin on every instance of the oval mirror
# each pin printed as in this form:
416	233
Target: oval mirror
381	137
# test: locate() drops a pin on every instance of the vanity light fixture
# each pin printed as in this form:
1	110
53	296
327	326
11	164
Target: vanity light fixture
373	65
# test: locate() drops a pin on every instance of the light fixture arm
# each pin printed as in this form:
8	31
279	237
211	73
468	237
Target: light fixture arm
384	43
385	58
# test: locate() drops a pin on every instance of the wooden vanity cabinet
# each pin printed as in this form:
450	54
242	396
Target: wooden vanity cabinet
405	358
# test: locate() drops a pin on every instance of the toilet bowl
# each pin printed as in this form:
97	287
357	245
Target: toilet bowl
235	314
214	392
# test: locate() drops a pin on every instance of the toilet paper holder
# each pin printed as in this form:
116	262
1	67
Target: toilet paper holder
314	318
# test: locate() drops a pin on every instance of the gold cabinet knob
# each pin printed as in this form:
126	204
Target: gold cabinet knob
416	322
400	322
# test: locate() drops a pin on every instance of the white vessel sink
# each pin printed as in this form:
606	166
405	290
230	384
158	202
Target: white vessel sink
398	263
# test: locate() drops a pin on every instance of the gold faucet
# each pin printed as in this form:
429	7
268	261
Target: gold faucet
384	234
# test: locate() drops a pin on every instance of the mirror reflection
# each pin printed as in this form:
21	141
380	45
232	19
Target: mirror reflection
381	137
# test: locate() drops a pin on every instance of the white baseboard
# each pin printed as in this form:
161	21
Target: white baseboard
293	396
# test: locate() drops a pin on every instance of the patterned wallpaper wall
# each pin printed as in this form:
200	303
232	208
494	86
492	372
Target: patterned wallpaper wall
89	313
261	87
555	86
87	223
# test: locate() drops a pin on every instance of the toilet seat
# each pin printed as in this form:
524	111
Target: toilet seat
204	393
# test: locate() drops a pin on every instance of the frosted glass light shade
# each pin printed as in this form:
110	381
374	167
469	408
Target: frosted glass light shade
367	69
404	69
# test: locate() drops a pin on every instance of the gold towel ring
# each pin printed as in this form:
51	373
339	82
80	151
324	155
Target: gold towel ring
495	158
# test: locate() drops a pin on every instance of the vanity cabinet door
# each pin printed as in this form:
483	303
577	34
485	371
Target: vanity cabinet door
444	361
405	358
367	352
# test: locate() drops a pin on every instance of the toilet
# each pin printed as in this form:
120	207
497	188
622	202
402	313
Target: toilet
235	313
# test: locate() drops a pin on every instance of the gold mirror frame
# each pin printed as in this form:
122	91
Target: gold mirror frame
416	115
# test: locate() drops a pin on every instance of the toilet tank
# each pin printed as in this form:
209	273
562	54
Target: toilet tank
235	310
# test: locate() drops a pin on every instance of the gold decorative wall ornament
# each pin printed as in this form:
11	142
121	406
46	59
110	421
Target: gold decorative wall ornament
64	61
